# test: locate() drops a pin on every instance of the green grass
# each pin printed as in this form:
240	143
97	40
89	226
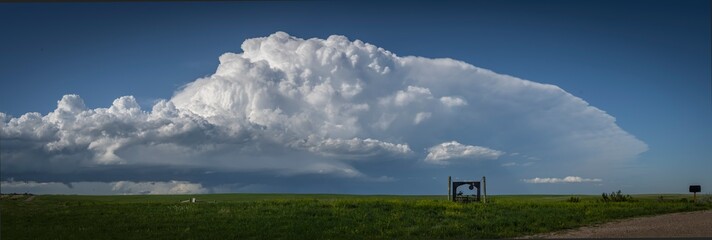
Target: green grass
297	216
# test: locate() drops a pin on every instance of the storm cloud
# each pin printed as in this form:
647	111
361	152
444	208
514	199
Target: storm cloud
334	107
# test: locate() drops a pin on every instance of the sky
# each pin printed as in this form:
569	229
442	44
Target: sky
541	97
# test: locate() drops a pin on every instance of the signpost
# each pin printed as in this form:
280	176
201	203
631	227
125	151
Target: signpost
695	189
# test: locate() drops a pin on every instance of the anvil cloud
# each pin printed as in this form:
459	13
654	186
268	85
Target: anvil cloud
293	107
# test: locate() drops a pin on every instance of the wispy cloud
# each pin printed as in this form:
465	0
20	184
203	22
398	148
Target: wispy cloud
515	164
569	179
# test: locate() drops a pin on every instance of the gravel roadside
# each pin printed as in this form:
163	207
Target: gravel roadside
687	224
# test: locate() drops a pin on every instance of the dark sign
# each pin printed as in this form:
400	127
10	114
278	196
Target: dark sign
695	188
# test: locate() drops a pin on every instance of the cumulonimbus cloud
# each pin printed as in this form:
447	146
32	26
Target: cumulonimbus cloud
568	179
313	106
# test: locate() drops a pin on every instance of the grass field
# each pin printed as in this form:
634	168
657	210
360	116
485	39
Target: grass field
301	216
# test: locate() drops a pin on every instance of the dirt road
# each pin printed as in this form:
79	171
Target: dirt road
688	224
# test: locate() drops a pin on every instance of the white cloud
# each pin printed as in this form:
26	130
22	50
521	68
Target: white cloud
569	179
421	116
357	148
287	105
453	101
412	94
441	153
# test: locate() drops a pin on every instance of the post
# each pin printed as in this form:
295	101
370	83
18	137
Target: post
449	185
484	188
479	186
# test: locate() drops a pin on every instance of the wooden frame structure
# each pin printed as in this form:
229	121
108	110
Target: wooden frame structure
452	194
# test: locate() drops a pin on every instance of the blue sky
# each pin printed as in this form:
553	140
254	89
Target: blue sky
644	63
